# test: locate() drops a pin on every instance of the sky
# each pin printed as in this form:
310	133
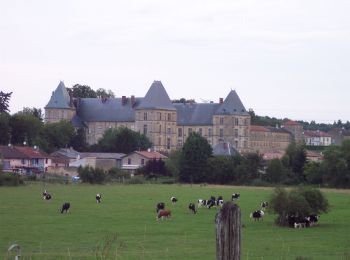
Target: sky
285	59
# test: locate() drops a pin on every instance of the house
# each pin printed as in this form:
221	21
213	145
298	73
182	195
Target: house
265	139
24	159
313	156
317	138
338	135
165	123
139	159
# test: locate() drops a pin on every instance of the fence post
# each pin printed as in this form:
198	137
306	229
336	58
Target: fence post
228	232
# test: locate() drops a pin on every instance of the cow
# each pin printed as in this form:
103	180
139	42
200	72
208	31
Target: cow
98	198
160	206
47	196
202	203
235	196
192	207
298	221
173	200
264	205
257	215
65	207
163	213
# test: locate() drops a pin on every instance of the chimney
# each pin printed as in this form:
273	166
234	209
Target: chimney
221	100
133	101
123	100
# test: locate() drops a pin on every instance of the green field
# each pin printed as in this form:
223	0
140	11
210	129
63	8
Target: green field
123	226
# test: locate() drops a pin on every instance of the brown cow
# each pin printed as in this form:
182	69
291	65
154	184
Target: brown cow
164	213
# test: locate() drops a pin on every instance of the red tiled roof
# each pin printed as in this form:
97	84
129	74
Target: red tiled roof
272	155
258	128
291	122
22	152
151	155
310	133
313	154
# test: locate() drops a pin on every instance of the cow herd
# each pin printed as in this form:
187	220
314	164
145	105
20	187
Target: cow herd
164	213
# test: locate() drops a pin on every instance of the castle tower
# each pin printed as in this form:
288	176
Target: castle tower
231	123
60	106
156	118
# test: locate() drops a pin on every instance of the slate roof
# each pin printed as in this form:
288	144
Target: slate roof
156	98
232	105
195	114
111	109
116	156
151	155
60	98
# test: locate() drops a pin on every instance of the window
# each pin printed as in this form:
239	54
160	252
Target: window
142	161
221	120
169	130
159	116
169	117
236	132
129	160
145	116
200	131
179	132
236	144
221	132
179	143
46	161
160	128
210	132
159	140
145	129
235	121
168	143
189	131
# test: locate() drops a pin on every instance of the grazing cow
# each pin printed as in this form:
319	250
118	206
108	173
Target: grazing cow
173	200
264	205
44	194
47	196
160	206
192	207
202	203
313	219
298	221
163	213
98	198
235	196
220	203
65	207
257	215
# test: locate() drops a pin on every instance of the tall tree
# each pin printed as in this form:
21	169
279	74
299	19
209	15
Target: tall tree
4	102
122	140
295	158
82	91
5	129
33	111
24	127
195	153
102	93
58	135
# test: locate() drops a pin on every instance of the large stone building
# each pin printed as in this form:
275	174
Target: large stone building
166	124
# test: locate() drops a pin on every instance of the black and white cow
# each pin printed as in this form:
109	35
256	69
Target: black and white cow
160	206
264	205
207	203
173	200
313	219
65	207
298	221
46	195
257	215
192	207
235	196
98	198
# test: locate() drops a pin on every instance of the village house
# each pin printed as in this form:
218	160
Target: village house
317	138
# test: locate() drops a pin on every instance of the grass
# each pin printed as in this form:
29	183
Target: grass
123	226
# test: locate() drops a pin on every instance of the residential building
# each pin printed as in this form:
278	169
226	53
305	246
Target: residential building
338	135
317	138
24	159
166	124
139	159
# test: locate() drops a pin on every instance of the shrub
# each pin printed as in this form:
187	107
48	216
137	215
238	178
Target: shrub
297	202
91	175
10	179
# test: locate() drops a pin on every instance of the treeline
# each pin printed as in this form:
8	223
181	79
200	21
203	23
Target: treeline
196	164
312	125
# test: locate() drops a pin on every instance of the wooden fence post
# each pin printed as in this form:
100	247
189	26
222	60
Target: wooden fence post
228	232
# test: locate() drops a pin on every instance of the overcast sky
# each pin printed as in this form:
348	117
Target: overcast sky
284	58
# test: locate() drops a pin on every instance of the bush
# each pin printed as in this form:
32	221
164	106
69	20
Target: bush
91	175
10	179
299	202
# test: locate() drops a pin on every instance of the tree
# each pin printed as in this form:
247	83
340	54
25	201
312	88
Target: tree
300	202
154	168
173	163
295	159
275	171
58	135
102	93
82	91
78	141
33	111
4	102
5	129
24	128
195	152
122	140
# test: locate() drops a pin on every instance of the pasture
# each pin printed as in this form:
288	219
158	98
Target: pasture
124	226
